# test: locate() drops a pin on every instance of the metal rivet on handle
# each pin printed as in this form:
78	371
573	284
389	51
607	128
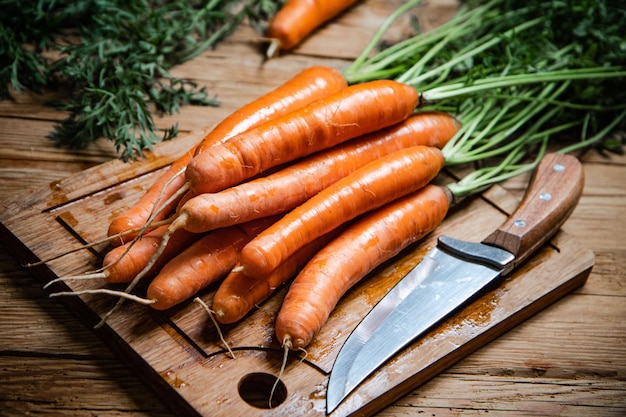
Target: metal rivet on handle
558	167
545	196
519	223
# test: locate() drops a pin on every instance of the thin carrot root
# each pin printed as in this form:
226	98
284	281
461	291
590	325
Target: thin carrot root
93	275
273	49
127	296
95	243
140	230
211	314
155	212
147	225
164	240
280	373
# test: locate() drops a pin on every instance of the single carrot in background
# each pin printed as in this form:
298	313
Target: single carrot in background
368	188
202	263
239	293
307	86
352	112
293	185
298	18
373	239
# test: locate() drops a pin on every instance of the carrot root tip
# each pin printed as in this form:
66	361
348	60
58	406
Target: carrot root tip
211	314
273	49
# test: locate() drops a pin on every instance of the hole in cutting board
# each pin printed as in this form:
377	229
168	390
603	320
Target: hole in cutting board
256	389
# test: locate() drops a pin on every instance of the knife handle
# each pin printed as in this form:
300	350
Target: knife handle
553	193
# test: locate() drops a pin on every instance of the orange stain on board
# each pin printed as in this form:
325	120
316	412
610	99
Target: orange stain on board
68	219
112	198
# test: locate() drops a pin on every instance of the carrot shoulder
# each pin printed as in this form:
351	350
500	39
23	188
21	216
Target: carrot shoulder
372	240
298	18
352	112
291	186
307	86
366	189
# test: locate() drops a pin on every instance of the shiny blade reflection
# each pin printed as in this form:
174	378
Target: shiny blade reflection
451	283
371	322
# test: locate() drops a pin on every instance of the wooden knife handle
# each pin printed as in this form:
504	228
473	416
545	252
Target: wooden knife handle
553	193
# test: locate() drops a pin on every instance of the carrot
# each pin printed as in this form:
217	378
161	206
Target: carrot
204	262
125	268
239	293
372	240
352	112
368	188
293	185
307	86
299	18
122	263
163	188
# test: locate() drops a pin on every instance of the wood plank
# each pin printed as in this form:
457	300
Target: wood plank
55	381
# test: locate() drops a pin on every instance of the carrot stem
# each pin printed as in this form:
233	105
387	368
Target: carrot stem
376	39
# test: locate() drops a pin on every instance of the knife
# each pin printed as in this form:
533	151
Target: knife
454	272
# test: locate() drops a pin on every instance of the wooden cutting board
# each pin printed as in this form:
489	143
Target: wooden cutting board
178	352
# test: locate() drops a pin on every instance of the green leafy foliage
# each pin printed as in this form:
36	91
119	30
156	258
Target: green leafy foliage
113	58
519	75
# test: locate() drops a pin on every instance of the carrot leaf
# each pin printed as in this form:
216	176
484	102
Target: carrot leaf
112	59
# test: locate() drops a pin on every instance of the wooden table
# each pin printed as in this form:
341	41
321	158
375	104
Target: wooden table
569	359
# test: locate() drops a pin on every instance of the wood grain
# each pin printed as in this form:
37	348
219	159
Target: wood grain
566	360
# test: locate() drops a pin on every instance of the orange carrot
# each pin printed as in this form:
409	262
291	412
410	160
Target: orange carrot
298	18
202	263
239	293
307	86
163	188
293	185
124	267
352	112
368	188
122	263
372	240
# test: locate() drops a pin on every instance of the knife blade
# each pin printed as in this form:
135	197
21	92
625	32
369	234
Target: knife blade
454	272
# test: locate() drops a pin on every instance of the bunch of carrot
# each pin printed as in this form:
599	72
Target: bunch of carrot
320	181
253	208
